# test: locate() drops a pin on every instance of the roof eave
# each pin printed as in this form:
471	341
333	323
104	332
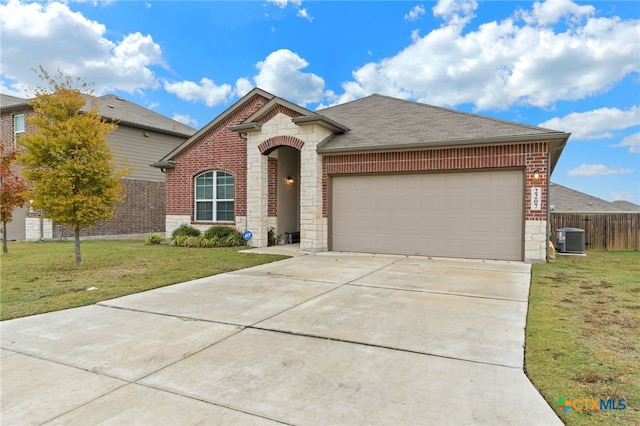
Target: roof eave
245	127
323	121
562	137
164	165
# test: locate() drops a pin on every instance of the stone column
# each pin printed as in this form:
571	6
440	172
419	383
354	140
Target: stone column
257	196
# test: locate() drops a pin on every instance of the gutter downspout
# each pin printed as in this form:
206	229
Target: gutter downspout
557	148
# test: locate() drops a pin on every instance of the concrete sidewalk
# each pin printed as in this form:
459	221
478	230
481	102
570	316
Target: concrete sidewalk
328	338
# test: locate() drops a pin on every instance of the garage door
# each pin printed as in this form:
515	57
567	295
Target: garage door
464	214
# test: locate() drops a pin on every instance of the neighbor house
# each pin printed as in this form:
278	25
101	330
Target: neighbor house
566	200
377	175
141	135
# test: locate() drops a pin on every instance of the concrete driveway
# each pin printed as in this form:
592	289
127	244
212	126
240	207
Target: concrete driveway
329	338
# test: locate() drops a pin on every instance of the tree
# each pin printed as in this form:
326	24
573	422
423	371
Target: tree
66	158
13	191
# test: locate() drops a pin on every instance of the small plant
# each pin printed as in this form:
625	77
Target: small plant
219	231
155	239
274	239
186	231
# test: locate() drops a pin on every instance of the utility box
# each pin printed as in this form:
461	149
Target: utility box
570	240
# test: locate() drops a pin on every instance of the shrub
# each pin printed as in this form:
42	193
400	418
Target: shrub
186	231
155	239
219	231
235	240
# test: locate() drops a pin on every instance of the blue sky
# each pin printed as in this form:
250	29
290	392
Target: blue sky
571	66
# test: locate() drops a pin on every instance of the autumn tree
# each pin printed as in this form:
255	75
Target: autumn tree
13	191
66	158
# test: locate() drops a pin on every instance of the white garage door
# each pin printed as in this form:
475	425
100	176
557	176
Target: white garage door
464	214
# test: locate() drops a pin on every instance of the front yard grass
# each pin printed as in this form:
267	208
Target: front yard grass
42	277
583	334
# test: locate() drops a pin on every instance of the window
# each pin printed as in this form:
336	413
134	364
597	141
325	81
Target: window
214	197
18	126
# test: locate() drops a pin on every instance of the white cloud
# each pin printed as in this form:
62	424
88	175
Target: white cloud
552	11
596	124
283	3
186	119
597	170
632	141
415	13
206	91
514	61
455	11
303	13
243	86
280	73
32	31
300	11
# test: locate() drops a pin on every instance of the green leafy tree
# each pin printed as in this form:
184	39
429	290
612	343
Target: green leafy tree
13	191
66	158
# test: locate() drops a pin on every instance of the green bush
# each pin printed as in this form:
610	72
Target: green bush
219	231
155	239
186	231
233	239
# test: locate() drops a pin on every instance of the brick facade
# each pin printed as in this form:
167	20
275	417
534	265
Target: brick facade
142	211
218	149
272	179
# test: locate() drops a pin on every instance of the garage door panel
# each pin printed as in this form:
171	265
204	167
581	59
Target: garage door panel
469	214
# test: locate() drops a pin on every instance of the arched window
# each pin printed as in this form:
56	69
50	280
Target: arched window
214	197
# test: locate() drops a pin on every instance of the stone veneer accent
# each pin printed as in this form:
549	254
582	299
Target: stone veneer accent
280	128
535	241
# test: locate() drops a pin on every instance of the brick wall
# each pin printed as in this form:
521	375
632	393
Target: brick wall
141	212
527	156
272	202
217	149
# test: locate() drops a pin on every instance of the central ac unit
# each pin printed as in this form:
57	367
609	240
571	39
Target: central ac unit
570	240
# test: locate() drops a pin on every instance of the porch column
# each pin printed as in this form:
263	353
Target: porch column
313	227
257	196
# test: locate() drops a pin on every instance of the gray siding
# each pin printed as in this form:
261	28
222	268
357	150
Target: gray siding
140	150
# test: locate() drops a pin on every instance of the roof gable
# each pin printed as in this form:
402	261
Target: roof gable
169	159
299	115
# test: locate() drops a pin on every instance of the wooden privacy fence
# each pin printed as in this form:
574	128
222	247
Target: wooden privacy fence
603	231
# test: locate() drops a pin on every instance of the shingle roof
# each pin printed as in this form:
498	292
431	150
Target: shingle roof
118	108
8	100
115	107
382	122
563	199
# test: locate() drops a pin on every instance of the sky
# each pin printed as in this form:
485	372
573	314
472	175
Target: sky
558	64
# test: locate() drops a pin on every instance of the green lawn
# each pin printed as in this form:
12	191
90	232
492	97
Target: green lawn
43	277
583	334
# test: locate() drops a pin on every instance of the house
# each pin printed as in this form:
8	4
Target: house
567	200
377	175
140	136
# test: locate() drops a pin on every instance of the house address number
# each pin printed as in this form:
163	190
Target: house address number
536	198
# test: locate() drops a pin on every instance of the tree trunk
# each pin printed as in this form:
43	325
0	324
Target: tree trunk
78	255
5	249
